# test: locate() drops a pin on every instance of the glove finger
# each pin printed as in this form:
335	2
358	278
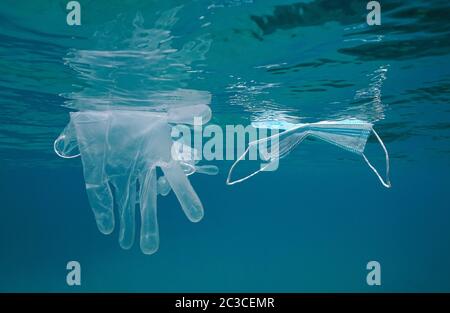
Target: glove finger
125	194
163	186
101	201
149	224
207	169
91	131
182	188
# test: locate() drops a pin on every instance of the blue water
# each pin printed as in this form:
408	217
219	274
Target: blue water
313	224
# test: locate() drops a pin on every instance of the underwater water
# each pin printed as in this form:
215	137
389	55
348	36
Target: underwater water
310	226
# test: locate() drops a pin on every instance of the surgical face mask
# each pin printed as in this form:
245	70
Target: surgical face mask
350	135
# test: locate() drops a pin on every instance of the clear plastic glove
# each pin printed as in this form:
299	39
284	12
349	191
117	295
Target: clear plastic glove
120	151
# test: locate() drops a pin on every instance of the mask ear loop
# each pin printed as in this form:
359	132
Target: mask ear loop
251	144
229	182
386	183
269	163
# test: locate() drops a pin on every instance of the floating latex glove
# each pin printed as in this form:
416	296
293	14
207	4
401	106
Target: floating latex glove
120	151
348	134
